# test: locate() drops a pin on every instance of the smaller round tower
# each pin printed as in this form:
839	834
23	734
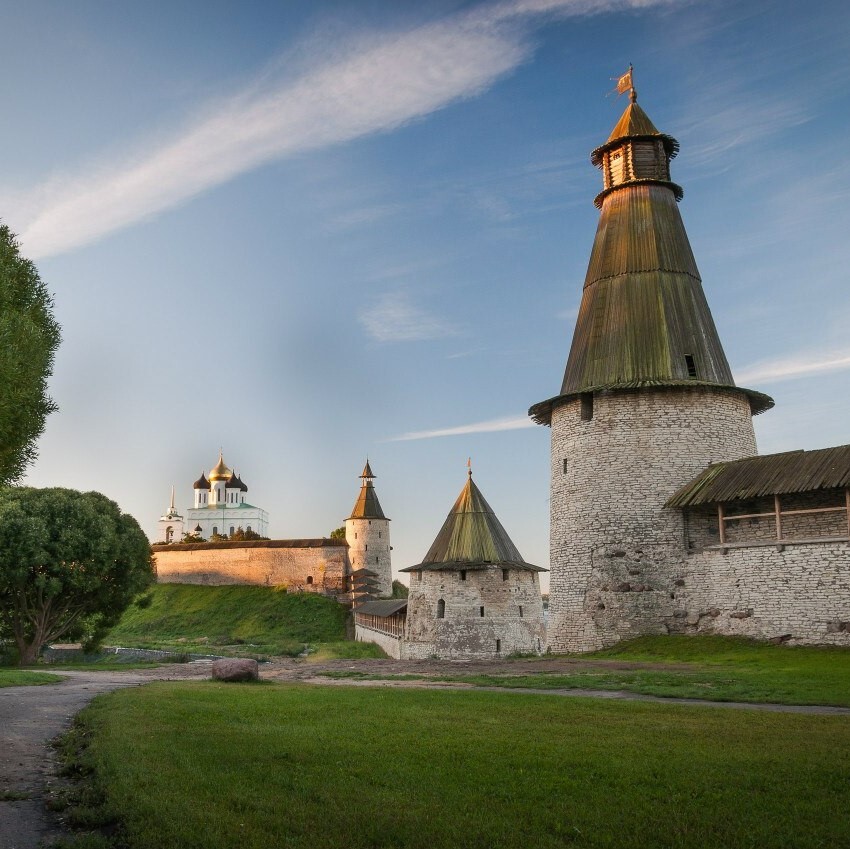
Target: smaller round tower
202	491
367	532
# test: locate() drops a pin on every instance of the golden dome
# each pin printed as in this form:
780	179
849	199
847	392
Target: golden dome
220	472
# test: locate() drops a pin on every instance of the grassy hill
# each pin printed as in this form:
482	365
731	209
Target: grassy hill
229	620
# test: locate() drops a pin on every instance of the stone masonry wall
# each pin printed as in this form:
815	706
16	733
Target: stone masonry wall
305	568
390	644
369	548
616	551
513	614
799	595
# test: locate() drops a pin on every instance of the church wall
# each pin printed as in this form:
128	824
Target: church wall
463	632
800	594
311	566
616	551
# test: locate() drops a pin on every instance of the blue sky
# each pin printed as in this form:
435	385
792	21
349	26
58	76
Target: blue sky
311	232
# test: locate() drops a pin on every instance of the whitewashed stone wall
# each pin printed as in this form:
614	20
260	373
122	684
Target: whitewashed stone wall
369	548
464	632
798	595
616	551
299	565
390	644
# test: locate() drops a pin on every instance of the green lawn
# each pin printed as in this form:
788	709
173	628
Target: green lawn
714	668
213	766
236	620
24	677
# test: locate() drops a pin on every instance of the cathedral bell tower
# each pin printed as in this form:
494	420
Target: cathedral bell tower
646	403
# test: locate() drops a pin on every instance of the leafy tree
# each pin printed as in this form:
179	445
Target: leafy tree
194	536
70	563
339	533
240	535
29	336
400	590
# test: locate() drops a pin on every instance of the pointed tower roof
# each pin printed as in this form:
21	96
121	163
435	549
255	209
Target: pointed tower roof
472	538
367	505
644	320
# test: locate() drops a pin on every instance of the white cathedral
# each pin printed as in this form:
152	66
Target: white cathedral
220	508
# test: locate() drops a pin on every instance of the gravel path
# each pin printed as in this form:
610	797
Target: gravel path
30	717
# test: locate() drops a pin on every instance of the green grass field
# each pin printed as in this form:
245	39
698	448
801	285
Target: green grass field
25	678
239	620
213	766
713	668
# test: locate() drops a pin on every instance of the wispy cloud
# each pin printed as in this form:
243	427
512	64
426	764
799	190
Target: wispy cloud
799	365
368	85
492	426
393	318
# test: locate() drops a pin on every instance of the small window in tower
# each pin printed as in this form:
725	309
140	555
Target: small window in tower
355	536
481	611
441	609
231	530
506	573
379	534
520	611
419	576
586	406
498	646
691	365
367	546
566	465
215	529
377	559
463	574
309	579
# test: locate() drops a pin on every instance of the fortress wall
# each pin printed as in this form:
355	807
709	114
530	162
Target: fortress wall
800	594
615	549
390	644
282	563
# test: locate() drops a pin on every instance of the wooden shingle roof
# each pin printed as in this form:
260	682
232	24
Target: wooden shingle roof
770	474
472	538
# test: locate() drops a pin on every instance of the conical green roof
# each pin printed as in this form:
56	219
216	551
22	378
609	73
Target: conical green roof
472	537
644	320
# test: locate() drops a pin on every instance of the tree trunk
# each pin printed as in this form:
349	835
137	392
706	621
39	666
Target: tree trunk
27	652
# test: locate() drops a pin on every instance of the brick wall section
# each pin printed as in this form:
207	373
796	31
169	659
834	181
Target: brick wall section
464	633
616	551
799	595
278	563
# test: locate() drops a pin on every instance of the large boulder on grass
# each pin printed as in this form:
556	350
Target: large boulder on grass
235	669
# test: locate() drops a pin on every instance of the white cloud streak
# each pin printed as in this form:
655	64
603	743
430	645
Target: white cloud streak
492	426
393	318
799	365
363	87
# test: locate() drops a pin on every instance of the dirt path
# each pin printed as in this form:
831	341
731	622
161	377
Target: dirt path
30	717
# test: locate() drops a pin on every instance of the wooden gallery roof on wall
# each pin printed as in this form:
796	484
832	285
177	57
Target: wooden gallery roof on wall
771	474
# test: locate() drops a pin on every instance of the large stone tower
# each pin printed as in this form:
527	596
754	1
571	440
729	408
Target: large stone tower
367	532
647	402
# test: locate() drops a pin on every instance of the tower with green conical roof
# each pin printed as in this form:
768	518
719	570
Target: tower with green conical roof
473	595
647	401
367	532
